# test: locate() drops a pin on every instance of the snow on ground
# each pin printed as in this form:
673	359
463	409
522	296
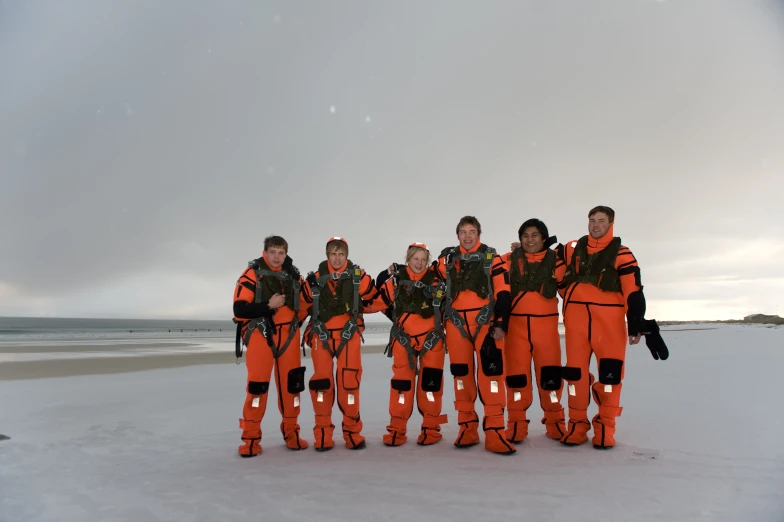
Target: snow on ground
699	439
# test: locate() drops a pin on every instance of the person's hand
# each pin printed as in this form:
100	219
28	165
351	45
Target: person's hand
498	333
276	301
634	339
515	245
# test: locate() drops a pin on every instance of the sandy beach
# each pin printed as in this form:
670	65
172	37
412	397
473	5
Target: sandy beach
37	361
72	360
65	358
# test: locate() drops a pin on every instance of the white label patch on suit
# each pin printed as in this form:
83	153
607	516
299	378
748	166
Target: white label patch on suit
431	397
574	244
296	401
351	398
460	384
553	397
401	398
571	390
493	386
518	396
608	388
255	403
320	397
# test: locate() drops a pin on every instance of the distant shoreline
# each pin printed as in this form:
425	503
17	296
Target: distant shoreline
779	321
369	322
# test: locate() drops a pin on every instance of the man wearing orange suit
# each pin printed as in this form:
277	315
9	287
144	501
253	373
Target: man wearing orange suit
476	314
601	284
267	313
334	294
411	296
534	272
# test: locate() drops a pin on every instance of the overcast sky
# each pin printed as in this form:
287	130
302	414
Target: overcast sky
148	147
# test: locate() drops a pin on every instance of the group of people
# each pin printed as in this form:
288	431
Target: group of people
495	314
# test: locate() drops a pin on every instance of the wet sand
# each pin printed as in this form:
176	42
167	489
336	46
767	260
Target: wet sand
17	370
74	348
124	362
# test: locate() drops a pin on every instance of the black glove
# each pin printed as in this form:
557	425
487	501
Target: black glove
560	252
381	278
550	242
287	263
491	357
398	268
312	280
654	341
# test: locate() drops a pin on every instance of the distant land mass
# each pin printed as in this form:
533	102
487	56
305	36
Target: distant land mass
749	319
190	324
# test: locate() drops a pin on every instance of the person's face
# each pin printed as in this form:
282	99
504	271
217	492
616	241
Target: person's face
532	240
275	256
598	225
337	258
418	262
468	236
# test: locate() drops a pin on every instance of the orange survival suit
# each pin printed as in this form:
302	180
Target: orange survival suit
272	339
601	281
416	344
335	298
533	333
477	289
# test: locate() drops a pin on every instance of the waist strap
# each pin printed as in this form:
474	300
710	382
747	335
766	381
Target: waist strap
399	335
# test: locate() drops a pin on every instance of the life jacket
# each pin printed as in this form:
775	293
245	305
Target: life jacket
474	272
475	275
414	297
421	298
597	269
269	283
341	300
328	304
535	277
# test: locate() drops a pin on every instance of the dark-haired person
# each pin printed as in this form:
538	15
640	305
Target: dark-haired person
267	313
534	273
601	285
476	315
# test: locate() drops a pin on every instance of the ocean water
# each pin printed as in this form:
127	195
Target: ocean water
26	330
21	331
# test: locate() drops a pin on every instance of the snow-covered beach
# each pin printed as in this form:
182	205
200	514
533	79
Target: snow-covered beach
698	440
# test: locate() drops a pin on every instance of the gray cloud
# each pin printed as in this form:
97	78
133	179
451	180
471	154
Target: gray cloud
146	148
